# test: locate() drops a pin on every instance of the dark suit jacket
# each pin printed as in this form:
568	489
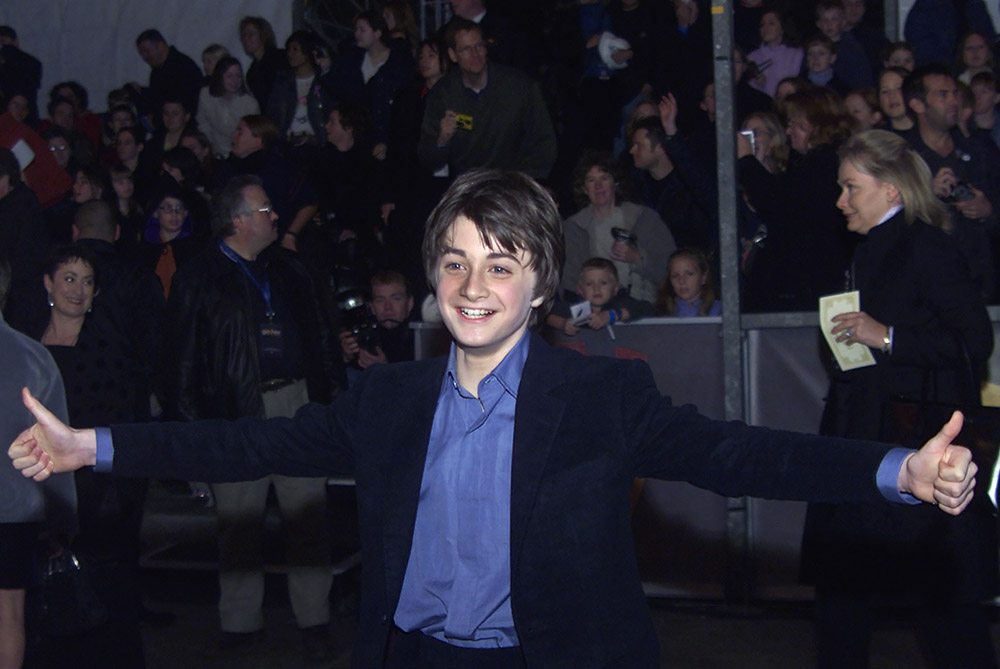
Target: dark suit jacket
584	427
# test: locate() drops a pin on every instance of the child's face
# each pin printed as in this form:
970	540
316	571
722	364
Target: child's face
986	97
819	58
686	279
597	286
860	110
901	58
123	187
831	22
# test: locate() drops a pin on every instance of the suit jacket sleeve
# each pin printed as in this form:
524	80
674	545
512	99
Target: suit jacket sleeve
733	459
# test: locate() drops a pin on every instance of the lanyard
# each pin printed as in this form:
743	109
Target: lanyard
263	286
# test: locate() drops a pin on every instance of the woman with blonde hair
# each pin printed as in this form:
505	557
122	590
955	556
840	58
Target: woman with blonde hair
927	328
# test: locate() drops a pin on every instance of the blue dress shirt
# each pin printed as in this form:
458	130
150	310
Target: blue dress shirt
457	582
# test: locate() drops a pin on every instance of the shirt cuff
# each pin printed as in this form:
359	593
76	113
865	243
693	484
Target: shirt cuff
105	450
887	476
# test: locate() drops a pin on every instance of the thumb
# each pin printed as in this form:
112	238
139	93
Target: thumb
42	415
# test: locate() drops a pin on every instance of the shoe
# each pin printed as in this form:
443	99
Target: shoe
317	643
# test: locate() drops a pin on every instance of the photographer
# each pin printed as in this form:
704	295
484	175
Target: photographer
964	169
376	333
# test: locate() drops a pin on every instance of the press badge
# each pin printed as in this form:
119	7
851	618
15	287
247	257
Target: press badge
270	340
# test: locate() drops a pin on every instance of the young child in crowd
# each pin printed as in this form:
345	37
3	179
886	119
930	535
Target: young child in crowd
821	55
609	302
688	290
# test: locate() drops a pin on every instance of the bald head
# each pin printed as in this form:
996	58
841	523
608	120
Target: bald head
95	219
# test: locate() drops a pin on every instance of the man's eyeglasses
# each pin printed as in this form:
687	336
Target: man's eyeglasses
478	47
173	209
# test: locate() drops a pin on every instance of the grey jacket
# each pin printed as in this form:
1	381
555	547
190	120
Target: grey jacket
25	362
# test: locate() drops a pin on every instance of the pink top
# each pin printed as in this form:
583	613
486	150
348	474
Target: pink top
786	61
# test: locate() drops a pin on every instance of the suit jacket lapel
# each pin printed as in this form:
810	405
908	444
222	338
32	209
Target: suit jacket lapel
537	417
404	454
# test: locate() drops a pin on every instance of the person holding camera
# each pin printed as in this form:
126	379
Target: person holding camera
377	333
632	236
964	169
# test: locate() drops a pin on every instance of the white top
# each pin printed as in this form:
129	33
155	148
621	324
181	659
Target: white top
218	118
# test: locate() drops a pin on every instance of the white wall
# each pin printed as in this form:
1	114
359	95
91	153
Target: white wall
93	41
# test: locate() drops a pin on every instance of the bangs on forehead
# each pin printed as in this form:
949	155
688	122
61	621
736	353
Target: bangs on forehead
496	241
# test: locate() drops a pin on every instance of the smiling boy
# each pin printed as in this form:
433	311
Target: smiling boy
493	485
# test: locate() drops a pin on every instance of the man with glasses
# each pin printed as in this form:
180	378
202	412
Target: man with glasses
483	114
248	341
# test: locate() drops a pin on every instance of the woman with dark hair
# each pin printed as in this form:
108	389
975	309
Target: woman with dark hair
118	117
257	38
632	236
774	58
807	249
198	143
402	26
924	322
101	387
370	74
223	103
298	101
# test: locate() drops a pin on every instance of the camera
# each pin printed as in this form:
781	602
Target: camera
357	318
625	236
961	192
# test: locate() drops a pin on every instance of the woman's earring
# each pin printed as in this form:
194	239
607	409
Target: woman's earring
51	303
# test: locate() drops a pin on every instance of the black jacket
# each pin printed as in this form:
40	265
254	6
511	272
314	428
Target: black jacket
213	335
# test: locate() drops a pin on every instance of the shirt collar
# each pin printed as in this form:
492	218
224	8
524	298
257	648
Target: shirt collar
508	372
893	210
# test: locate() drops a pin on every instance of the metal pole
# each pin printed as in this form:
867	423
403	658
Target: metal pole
738	582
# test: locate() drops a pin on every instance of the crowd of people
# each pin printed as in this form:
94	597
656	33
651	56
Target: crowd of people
222	243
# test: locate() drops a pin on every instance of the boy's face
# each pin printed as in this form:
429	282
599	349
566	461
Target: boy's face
485	294
597	286
819	58
831	22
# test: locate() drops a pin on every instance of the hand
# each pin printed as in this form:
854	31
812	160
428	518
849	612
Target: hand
941	473
50	445
289	242
599	319
593	41
667	107
976	208
743	145
366	358
348	345
621	55
449	125
857	326
943	182
380	150
568	328
625	252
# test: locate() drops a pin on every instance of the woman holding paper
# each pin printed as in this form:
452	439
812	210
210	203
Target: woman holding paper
927	328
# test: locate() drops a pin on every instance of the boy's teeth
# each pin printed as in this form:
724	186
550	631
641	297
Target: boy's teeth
476	313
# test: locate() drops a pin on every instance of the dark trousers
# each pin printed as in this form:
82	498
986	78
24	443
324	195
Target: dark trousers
415	650
951	635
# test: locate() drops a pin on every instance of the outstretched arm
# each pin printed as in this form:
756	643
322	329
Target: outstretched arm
50	445
941	473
